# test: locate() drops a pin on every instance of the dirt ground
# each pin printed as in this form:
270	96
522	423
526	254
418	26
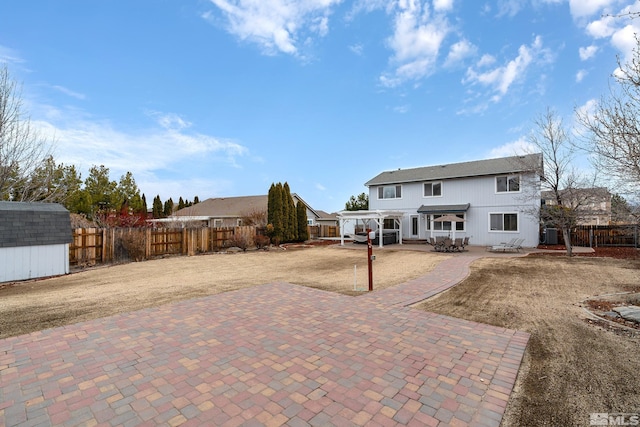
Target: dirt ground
573	366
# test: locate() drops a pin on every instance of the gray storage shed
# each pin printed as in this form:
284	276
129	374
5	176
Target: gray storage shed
34	240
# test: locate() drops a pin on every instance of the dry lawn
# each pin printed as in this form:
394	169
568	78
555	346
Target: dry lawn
99	292
572	367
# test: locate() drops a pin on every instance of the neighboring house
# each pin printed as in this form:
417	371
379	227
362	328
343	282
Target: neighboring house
229	212
34	240
592	205
496	200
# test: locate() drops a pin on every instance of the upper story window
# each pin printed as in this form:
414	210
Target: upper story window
507	183
390	192
432	189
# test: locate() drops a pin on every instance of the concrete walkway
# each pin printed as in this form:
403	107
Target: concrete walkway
271	355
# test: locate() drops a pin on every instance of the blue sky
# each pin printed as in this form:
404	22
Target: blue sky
223	97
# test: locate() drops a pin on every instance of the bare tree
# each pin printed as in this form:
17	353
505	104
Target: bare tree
566	193
612	130
23	151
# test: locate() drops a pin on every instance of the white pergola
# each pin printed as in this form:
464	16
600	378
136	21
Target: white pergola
377	216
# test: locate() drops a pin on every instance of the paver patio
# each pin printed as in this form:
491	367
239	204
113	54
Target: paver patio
277	354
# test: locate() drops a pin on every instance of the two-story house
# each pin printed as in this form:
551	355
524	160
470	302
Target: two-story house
495	200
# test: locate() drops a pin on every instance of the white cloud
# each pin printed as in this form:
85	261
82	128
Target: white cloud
625	40
442	5
402	109
9	56
580	75
586	8
518	147
320	187
69	92
602	28
84	142
587	52
588	108
357	48
486	60
415	43
276	25
510	7
500	79
459	52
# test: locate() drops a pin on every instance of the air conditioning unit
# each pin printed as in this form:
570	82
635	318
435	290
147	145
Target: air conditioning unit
551	236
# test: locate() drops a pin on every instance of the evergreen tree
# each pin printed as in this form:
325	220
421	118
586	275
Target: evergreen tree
144	206
291	230
101	190
196	200
168	207
158	211
181	204
359	204
303	231
127	191
274	212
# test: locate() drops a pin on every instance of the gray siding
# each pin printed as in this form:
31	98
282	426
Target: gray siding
33	224
480	193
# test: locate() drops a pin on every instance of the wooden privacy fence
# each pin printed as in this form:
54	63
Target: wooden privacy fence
103	245
605	235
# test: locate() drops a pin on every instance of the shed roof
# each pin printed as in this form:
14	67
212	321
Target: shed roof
33	224
515	164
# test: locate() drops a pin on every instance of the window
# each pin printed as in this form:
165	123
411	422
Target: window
217	223
503	221
414	225
507	183
389	224
309	221
390	192
445	225
239	222
432	189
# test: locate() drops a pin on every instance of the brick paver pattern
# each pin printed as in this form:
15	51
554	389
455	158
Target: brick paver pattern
276	354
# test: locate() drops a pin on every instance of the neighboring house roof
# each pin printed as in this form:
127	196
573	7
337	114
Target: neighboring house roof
595	193
315	212
326	216
232	207
226	207
504	165
34	224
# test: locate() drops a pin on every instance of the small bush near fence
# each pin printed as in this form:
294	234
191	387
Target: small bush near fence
130	247
261	241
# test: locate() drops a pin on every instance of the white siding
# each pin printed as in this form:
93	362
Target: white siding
480	193
30	262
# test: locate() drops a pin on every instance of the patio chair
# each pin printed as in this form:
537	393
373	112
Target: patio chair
514	245
457	245
465	242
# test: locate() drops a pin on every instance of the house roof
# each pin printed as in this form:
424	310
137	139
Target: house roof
229	207
232	207
33	224
515	164
326	216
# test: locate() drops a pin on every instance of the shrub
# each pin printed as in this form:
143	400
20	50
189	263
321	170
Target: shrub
261	241
134	248
240	241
